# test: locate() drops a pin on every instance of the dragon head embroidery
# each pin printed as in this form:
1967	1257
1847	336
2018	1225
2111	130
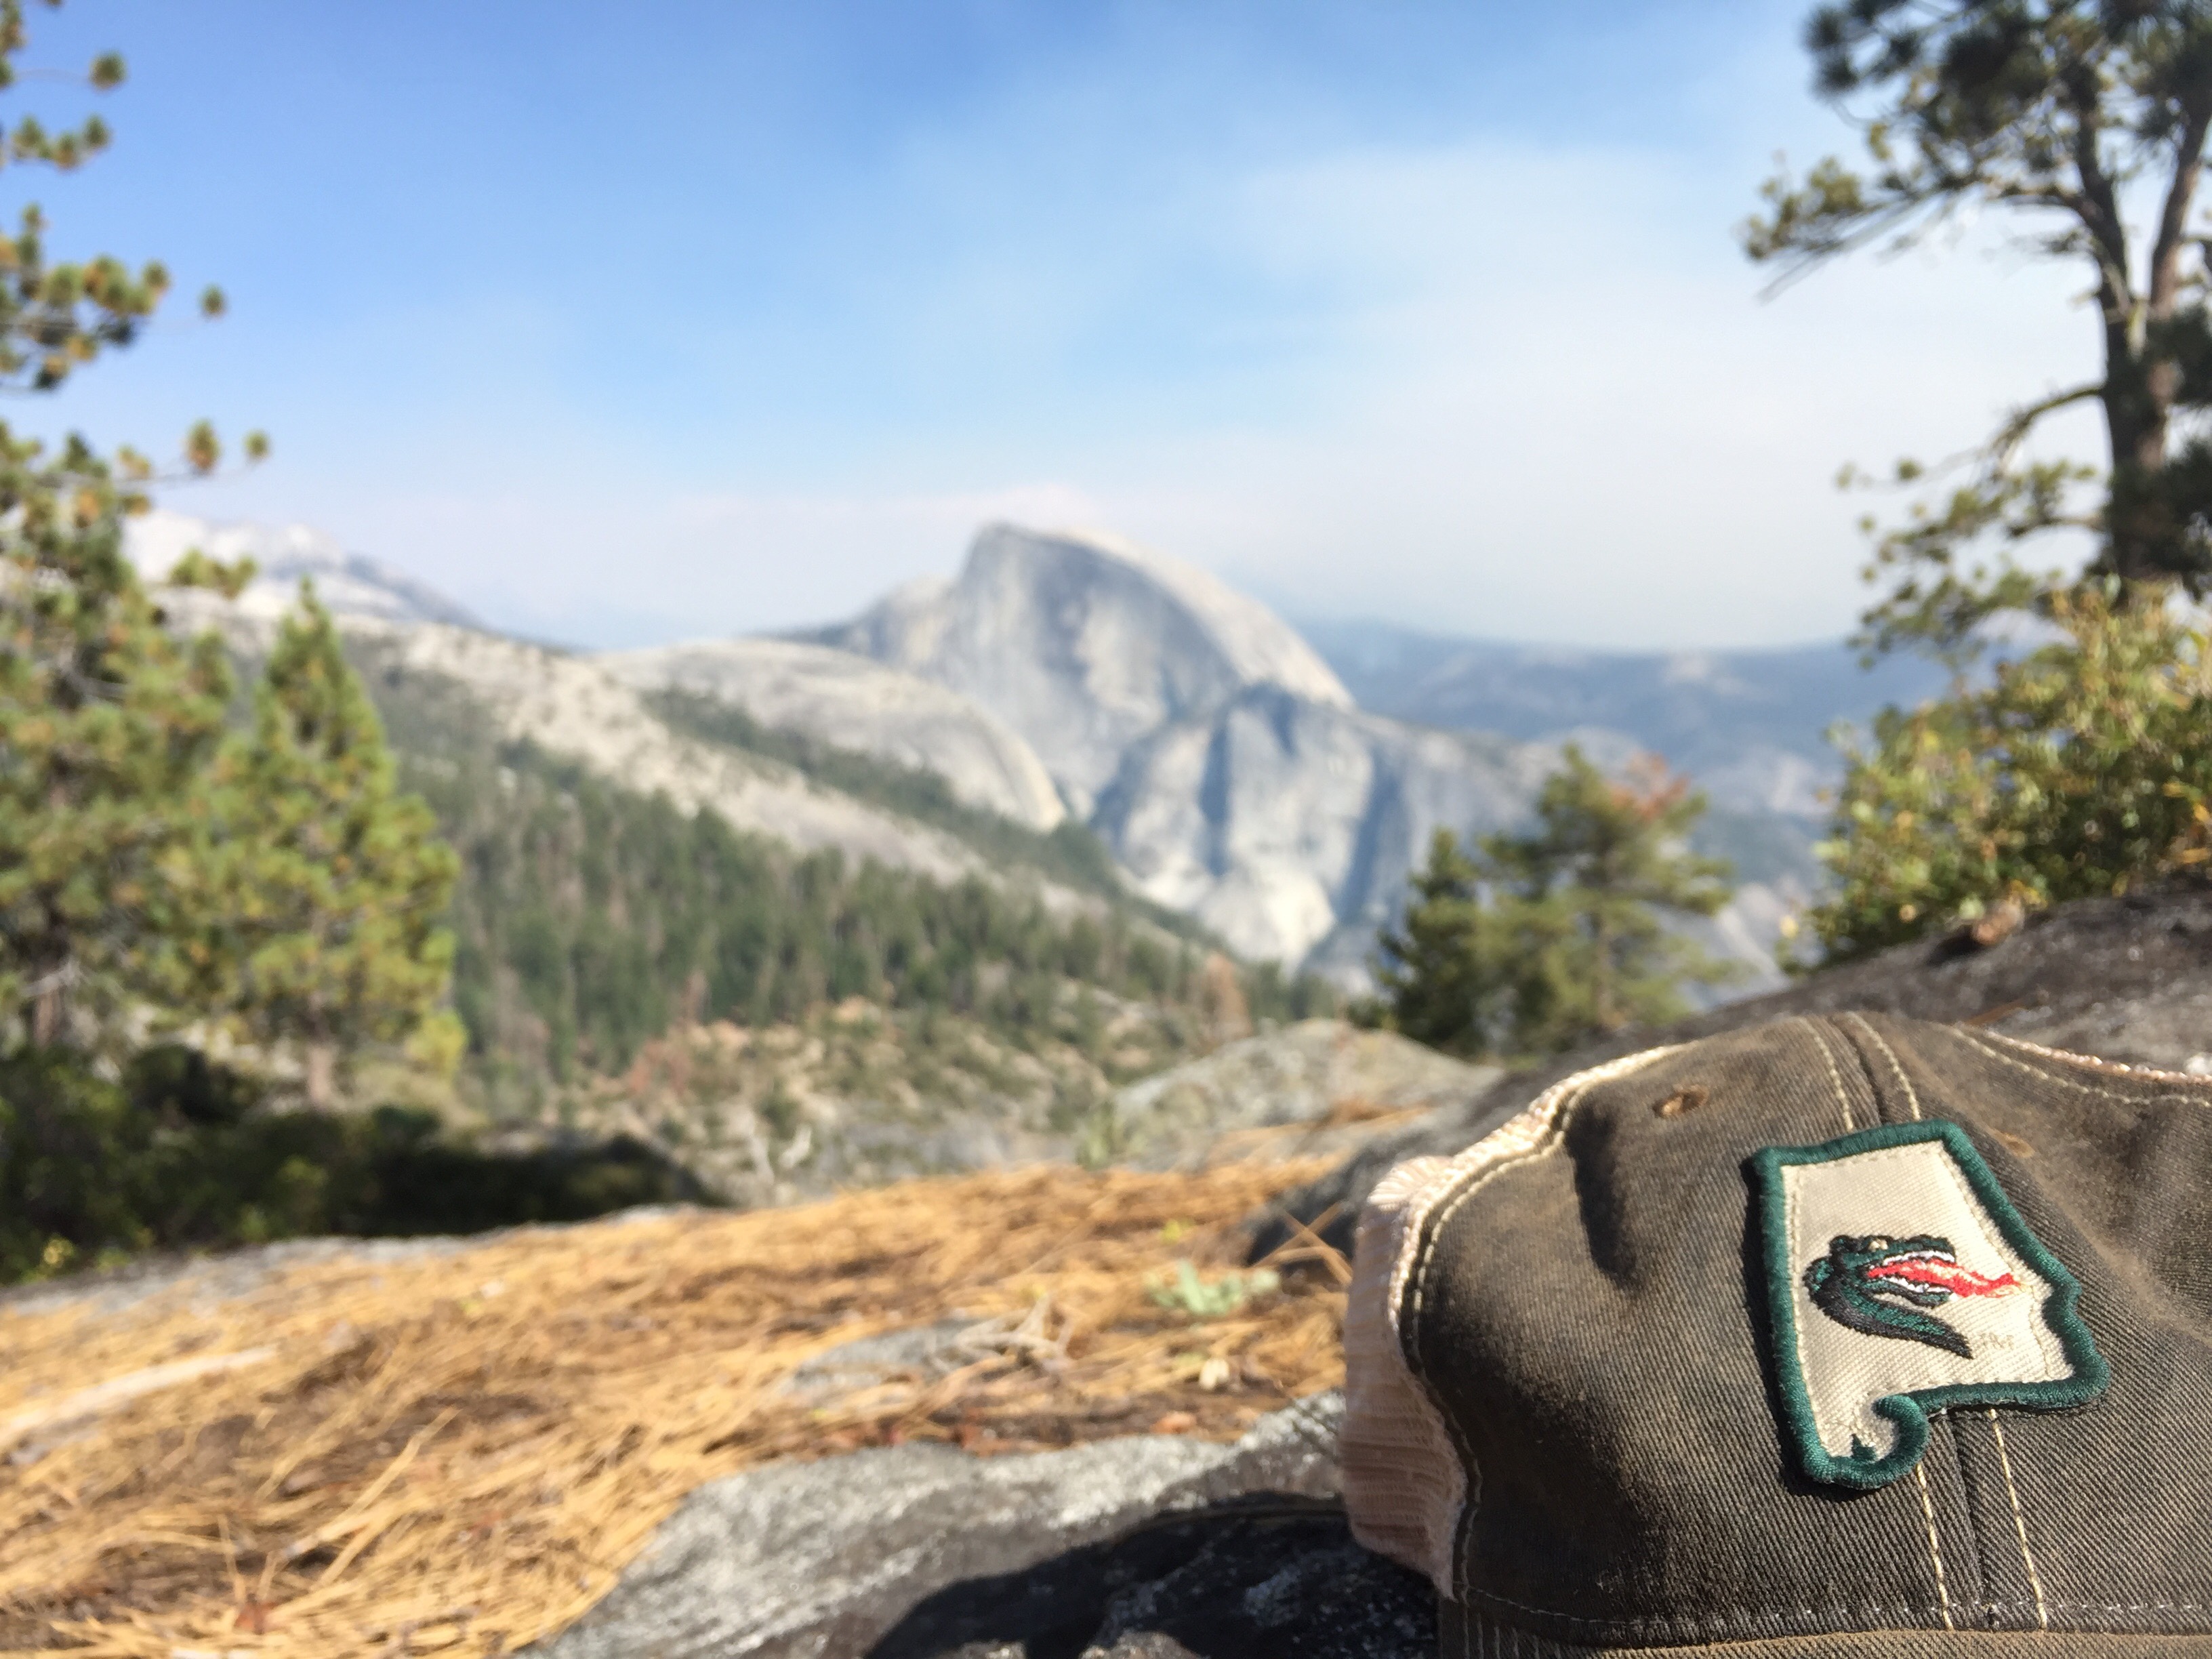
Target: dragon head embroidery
1880	1285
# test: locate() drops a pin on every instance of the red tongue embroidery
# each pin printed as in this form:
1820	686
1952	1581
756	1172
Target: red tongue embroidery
1941	1272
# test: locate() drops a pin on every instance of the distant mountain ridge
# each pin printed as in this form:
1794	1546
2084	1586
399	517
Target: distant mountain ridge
857	704
1276	788
1226	765
1749	725
1084	644
350	584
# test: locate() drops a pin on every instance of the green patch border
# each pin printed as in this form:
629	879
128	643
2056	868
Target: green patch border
1911	1410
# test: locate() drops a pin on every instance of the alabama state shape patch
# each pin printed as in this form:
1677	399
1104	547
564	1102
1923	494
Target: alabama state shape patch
1900	1281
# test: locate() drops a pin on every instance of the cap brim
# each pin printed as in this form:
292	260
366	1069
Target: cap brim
1462	1636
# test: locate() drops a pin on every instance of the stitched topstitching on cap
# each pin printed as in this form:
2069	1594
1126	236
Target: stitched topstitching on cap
2197	1091
1911	1097
1835	1076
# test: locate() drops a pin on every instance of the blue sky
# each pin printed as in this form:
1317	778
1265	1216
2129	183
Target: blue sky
625	322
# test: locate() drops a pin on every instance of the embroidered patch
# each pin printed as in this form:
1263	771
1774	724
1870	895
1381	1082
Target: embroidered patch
1900	1281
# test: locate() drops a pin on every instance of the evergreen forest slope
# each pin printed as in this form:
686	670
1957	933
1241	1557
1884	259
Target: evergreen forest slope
777	1018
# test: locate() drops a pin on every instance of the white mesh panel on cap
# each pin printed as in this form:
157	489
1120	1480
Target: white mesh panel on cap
1404	1484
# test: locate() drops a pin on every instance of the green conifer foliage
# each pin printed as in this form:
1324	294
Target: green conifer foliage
1589	882
1440	971
55	316
325	885
103	720
1551	938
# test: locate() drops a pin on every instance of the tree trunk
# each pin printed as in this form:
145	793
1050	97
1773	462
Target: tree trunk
1602	979
46	1017
322	1074
2138	403
2142	537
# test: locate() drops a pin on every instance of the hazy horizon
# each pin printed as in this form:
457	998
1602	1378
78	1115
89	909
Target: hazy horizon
157	541
686	317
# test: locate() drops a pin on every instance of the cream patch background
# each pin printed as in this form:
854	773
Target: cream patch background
1900	1191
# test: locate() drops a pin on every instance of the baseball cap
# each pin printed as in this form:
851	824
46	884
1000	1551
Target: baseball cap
1847	1336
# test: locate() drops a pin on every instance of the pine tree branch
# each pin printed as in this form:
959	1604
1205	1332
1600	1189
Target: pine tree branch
2000	449
2174	216
2096	206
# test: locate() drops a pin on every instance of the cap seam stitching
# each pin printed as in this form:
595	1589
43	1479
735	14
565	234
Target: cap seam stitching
1974	1041
1966	1487
1911	1097
2019	1524
2093	1062
1743	1618
1935	1548
1919	1467
1835	1071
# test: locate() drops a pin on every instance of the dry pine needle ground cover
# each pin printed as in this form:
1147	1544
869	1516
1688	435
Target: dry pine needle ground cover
458	1451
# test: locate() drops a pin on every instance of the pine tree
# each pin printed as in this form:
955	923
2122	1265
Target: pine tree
104	719
1548	939
1437	970
325	883
1584	893
2073	116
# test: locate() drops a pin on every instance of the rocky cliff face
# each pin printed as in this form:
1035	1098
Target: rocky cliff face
1288	825
853	703
1212	749
1086	645
1220	759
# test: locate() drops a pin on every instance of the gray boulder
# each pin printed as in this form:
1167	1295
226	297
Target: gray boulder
1321	1087
1152	1545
